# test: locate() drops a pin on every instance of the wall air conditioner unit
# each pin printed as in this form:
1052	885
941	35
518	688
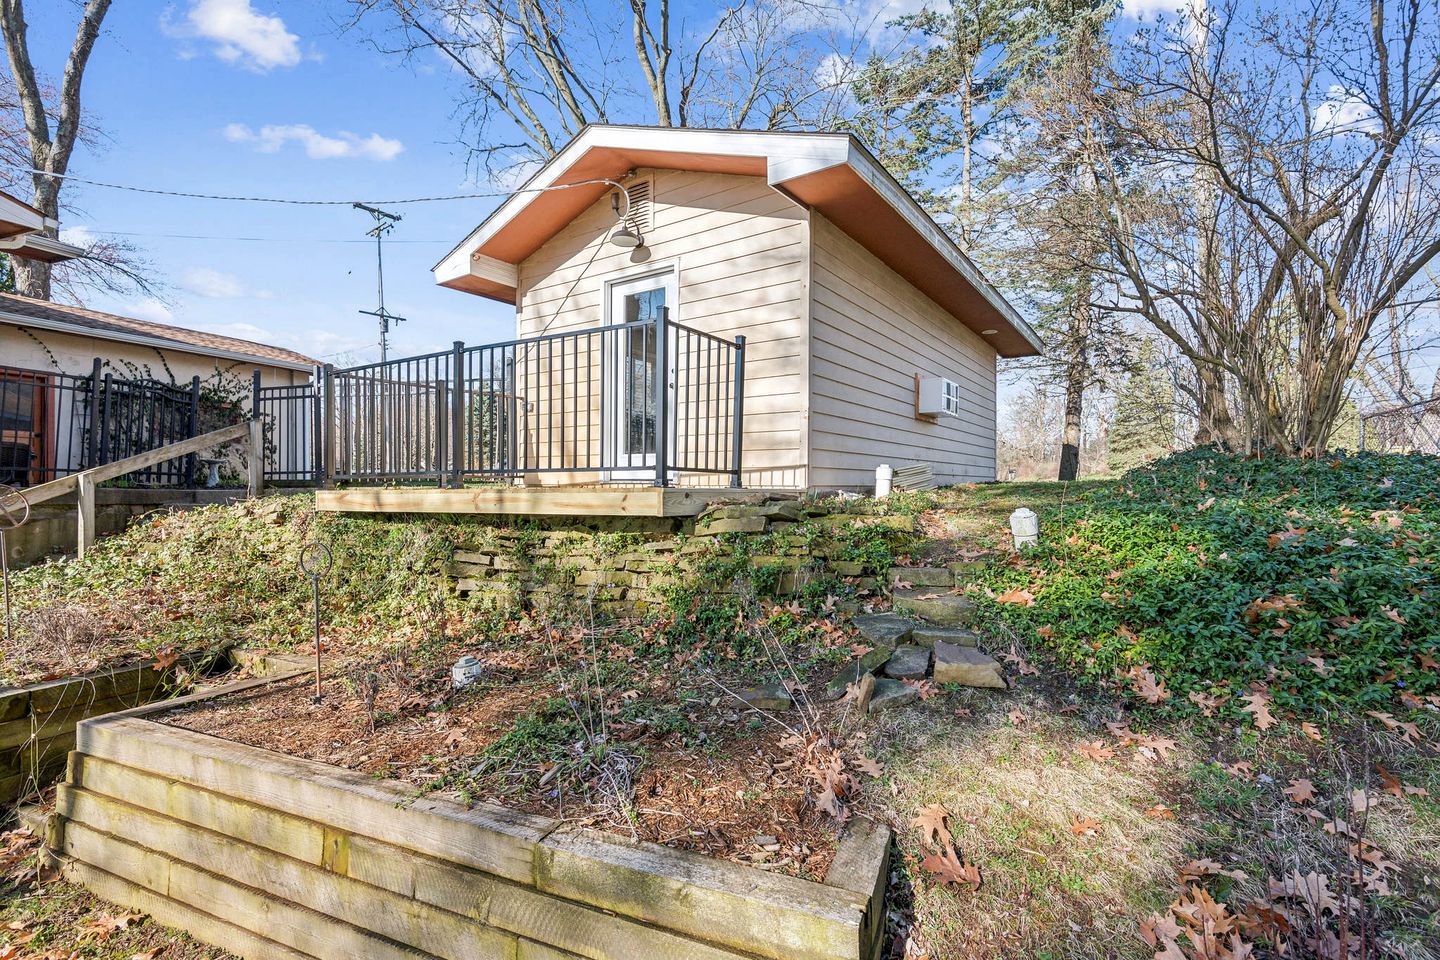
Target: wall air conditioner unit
936	397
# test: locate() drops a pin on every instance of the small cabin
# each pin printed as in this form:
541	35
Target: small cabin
868	336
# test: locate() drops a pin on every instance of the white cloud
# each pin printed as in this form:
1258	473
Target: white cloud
147	308
239	34
1345	111
209	282
271	137
1150	9
80	235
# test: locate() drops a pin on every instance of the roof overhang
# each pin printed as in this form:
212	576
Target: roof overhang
140	339
831	173
20	226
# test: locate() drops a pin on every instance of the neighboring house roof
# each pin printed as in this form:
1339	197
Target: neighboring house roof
831	172
20	224
63	318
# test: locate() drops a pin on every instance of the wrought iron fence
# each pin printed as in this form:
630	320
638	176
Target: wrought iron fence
56	424
640	402
1403	428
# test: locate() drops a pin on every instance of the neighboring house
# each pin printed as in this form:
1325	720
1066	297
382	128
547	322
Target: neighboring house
51	353
870	337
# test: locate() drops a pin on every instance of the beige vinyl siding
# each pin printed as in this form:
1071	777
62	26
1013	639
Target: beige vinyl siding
872	333
741	256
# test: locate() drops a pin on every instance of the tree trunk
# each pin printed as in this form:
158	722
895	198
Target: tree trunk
32	278
1077	371
49	151
1215	424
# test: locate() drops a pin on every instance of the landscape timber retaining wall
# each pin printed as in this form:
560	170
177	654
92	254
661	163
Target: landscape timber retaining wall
270	856
627	574
37	722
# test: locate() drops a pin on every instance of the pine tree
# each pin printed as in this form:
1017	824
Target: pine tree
1143	427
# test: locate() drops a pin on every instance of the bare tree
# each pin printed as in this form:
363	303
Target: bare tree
537	71
1311	135
49	144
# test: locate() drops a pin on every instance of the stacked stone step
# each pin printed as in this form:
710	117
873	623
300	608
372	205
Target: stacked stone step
926	635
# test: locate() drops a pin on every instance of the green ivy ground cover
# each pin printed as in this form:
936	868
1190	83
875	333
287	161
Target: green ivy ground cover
1315	578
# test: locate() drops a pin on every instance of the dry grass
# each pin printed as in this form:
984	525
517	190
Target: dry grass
58	639
1013	793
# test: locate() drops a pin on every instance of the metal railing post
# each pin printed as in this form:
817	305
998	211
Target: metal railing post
317	456
326	438
106	399
457	416
257	449
662	397
92	446
193	459
737	425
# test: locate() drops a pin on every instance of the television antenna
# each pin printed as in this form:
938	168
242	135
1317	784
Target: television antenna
384	223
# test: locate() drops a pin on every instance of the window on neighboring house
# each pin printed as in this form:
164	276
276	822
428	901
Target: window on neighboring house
22	427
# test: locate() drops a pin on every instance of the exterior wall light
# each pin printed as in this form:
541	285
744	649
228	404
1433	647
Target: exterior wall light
624	236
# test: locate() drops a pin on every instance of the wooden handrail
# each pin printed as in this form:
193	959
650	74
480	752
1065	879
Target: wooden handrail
58	488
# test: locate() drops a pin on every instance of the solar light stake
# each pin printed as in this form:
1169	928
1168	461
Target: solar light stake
315	562
14	511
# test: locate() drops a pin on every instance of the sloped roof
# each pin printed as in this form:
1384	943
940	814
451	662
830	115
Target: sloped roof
42	314
832	173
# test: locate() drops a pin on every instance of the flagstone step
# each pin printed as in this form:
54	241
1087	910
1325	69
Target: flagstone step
934	606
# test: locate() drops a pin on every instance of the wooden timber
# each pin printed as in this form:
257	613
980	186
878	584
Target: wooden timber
274	856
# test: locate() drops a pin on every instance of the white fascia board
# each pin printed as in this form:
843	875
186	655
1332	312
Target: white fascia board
51	248
879	178
13	211
140	339
787	155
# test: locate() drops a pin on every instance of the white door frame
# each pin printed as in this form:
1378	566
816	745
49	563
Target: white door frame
660	277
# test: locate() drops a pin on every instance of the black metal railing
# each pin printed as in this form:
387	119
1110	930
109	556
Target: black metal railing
55	424
290	414
639	402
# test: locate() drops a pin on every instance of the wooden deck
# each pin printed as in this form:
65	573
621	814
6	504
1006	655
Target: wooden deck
531	501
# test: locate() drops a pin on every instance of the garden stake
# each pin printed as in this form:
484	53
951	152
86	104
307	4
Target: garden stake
315	562
14	511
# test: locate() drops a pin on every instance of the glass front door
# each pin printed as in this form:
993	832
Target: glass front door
636	376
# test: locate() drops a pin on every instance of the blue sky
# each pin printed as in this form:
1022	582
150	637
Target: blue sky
260	97
184	102
257	97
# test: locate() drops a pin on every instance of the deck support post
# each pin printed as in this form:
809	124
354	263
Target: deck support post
255	477
737	418
84	514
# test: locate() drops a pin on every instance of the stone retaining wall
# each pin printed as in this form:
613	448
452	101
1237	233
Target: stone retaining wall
630	574
37	722
275	857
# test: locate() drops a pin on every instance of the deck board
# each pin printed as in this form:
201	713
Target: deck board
529	501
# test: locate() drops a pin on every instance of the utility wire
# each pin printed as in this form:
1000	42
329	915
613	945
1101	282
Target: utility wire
155	191
193	236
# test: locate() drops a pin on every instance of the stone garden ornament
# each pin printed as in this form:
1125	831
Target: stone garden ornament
315	562
14	511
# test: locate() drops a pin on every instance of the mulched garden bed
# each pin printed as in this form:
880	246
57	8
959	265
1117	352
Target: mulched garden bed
657	752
